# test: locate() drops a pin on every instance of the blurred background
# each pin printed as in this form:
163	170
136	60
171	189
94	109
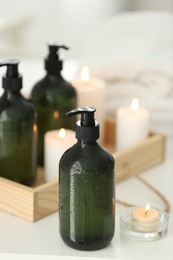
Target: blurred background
26	26
128	43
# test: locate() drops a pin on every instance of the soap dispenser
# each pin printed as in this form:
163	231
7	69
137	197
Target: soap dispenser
18	129
87	188
53	96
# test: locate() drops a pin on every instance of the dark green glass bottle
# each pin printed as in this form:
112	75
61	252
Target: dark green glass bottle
18	129
87	188
53	97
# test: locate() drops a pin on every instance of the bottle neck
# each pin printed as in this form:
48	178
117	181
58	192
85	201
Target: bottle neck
55	74
84	142
12	93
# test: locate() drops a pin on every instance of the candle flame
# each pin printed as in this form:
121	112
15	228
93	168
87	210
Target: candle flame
135	105
35	128
56	114
147	208
62	133
85	75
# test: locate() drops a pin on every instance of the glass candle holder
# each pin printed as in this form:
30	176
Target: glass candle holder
142	231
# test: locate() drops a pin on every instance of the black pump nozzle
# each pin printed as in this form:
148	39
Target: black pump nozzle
54	48
53	63
12	79
87	127
12	67
87	115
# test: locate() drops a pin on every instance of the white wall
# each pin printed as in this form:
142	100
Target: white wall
67	21
162	5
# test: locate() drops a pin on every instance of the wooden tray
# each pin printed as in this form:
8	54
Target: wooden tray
34	203
137	158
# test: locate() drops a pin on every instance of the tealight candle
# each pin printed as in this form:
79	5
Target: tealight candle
56	142
145	215
132	125
143	224
91	92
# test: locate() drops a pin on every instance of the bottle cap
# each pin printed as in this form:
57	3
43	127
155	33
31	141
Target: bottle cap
53	63
12	80
87	127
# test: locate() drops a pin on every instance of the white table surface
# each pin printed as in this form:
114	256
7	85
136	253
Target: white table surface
20	239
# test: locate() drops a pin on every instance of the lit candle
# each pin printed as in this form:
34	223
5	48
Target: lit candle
56	142
145	215
132	125
91	92
143	223
145	218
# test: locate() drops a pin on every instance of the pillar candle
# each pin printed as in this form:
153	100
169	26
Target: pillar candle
56	142
132	125
91	92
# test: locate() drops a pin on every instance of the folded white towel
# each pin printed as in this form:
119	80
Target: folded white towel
133	53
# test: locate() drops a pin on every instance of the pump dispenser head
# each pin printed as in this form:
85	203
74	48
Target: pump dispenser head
12	80
87	127
53	63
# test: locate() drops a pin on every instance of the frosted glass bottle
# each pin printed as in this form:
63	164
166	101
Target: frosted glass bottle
53	96
87	189
18	129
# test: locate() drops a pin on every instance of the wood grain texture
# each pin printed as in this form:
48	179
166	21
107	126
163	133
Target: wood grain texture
46	199
26	202
16	199
140	157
